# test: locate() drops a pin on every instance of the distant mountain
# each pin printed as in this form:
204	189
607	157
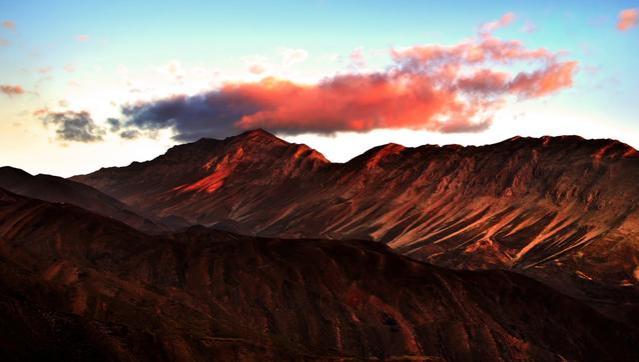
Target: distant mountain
563	209
57	189
78	286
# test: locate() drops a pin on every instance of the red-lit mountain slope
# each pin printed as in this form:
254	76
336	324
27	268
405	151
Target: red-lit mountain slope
78	286
536	204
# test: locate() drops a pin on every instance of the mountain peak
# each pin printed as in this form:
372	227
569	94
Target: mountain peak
258	134
13	170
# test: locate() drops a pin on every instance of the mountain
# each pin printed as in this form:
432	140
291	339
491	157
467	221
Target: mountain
562	209
75	285
57	189
234	171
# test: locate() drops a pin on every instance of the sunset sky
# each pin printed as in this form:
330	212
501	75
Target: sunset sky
88	84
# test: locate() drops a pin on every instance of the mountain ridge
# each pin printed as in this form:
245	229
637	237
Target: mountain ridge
57	189
561	209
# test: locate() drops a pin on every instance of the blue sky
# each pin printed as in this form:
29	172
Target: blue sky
94	56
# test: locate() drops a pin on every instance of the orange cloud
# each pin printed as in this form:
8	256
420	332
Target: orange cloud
627	19
446	89
432	87
544	81
11	90
9	24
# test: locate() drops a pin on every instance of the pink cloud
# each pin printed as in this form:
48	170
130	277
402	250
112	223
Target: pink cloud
82	38
256	69
438	88
502	22
9	24
357	58
429	88
11	90
628	19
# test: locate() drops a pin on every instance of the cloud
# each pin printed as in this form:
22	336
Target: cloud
4	42
69	68
41	112
11	90
82	38
256	69
44	70
438	88
114	124
292	56
502	22
213	113
544	81
357	58
174	69
628	19
130	134
9	24
529	27
74	126
256	64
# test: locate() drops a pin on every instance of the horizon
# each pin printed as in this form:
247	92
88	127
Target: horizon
514	138
92	85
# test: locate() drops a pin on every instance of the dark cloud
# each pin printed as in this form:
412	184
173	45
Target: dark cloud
212	114
431	87
74	126
130	134
114	124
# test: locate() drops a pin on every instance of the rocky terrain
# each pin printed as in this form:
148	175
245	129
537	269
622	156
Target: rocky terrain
561	209
75	285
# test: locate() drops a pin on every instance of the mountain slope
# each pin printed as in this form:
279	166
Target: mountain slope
76	285
57	189
239	169
564	209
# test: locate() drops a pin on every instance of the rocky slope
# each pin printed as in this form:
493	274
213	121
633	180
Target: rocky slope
78	286
57	189
563	209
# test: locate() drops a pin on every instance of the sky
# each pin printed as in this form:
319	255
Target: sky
91	84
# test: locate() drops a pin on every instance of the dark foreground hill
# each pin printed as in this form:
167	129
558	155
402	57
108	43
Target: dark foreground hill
78	286
57	189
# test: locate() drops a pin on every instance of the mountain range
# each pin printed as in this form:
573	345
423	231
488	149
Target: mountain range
564	210
253	246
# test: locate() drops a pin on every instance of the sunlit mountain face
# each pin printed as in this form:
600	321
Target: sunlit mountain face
319	180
